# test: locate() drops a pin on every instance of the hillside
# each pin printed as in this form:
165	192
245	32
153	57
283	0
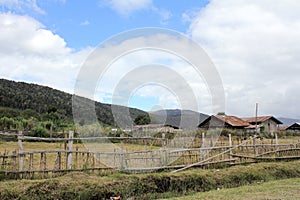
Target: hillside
288	121
23	96
178	118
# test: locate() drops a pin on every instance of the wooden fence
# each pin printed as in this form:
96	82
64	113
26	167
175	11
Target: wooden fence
53	162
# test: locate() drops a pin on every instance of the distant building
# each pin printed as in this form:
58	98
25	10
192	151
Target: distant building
152	129
223	121
264	123
282	128
294	127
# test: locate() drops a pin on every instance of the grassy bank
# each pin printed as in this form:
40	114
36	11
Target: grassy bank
287	189
146	186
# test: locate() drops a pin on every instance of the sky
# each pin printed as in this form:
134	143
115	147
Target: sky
254	45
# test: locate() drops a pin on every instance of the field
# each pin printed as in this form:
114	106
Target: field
287	189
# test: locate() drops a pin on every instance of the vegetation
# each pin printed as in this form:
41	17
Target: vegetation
27	106
142	119
280	189
146	186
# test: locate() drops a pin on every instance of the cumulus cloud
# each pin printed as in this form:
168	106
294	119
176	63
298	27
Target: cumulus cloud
161	74
126	7
30	52
255	46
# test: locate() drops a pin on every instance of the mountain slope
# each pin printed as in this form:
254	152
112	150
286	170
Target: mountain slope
185	119
288	121
43	99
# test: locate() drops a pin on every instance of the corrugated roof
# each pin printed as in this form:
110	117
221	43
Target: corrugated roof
260	119
232	120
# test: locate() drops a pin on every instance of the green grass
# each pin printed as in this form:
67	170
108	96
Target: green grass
288	189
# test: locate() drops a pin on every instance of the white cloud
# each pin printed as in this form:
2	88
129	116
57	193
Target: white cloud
20	5
29	52
126	7
85	23
129	72
256	47
189	15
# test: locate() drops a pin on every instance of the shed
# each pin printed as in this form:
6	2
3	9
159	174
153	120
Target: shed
294	127
223	121
266	123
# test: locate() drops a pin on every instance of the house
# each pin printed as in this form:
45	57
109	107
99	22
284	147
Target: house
294	127
223	121
264	123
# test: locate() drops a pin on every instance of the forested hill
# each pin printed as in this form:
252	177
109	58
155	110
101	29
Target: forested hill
22	96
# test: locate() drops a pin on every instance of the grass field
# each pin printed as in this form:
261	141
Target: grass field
288	189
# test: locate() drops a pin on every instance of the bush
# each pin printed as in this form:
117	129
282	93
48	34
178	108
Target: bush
39	132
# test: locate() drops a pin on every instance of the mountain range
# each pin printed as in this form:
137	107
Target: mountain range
42	99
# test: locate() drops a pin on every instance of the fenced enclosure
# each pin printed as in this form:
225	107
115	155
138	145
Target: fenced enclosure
32	157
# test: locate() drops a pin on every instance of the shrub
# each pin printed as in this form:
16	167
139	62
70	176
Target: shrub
39	132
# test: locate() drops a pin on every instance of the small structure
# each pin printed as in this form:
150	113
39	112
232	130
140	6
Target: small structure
223	121
282	128
152	129
264	123
294	127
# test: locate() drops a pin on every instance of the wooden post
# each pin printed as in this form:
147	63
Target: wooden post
276	141
70	145
30	166
76	157
164	156
122	156
21	158
255	147
230	146
203	145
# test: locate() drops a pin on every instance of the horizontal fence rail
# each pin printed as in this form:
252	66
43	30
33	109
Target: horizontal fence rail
152	154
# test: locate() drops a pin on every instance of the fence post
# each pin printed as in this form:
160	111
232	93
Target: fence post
254	145
203	145
122	155
230	146
276	141
164	149
21	158
70	145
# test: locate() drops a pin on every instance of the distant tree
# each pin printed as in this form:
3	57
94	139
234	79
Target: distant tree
7	123
29	113
142	119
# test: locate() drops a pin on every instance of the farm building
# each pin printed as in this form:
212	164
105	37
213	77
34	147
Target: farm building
264	123
294	127
223	121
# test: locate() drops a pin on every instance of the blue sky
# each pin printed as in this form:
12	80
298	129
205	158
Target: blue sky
88	23
253	44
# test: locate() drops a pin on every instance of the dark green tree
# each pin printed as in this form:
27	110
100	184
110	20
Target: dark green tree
142	119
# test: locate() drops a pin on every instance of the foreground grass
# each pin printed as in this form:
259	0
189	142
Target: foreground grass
287	189
148	186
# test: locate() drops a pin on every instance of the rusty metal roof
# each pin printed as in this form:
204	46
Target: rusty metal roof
233	121
260	119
